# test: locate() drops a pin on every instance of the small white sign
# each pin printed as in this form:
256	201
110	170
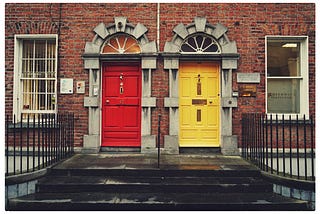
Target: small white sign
80	87
66	86
248	77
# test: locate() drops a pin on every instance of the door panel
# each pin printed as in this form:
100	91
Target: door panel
121	105
199	104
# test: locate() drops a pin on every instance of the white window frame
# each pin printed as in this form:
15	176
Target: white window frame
17	94
304	78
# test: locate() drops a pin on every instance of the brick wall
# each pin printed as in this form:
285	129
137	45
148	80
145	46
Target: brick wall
247	24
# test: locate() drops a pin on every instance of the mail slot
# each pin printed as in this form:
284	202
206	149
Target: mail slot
199	101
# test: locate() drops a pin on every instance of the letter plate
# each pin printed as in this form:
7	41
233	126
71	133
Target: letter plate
199	102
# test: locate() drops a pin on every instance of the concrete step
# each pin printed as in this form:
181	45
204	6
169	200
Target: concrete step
156	201
127	184
170	171
173	187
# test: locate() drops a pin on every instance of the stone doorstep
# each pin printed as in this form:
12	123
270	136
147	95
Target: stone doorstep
156	201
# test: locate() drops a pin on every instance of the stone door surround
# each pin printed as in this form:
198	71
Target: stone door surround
228	57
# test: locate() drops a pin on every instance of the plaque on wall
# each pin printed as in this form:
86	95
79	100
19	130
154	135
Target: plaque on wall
247	90
248	77
66	86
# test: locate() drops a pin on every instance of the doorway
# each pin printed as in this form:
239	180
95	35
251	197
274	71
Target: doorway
199	104
121	105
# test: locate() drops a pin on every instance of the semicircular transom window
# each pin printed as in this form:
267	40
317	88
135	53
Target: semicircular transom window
122	43
200	43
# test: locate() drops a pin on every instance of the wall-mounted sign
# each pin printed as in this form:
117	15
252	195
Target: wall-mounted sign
66	86
248	77
247	90
80	87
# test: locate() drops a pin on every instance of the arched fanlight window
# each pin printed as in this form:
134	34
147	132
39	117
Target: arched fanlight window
200	43
121	43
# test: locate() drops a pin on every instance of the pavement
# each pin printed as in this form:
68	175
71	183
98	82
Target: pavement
142	161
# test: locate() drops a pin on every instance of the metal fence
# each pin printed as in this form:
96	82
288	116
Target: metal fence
279	145
37	141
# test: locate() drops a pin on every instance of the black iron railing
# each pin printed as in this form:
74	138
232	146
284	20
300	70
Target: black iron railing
279	145
158	140
37	141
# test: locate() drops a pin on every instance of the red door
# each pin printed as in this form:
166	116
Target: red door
121	105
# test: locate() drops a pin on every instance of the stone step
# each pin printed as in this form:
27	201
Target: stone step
153	172
129	184
157	201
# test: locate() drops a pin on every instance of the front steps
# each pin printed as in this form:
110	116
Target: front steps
154	189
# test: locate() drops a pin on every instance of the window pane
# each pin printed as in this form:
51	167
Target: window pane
27	68
283	59
41	86
40	48
27	52
283	96
51	67
121	44
40	71
50	100
199	43
50	86
212	48
42	102
192	42
27	94
186	48
51	49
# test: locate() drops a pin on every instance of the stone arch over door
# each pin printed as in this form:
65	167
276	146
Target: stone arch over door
227	56
93	58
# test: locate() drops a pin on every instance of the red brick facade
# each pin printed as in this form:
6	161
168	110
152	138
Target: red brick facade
247	24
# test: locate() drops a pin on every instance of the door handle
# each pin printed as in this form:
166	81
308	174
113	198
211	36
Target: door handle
107	101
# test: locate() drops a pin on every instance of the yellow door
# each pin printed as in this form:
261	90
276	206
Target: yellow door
199	104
